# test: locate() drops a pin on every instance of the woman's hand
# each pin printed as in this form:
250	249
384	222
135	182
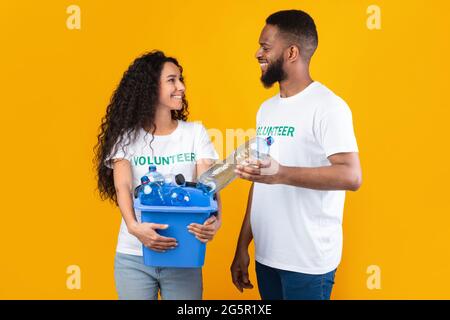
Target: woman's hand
146	234
205	232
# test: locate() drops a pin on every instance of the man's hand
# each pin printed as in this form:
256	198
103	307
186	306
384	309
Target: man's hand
264	171
239	270
344	173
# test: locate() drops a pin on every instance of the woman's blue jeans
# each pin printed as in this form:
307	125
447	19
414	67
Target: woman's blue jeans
136	281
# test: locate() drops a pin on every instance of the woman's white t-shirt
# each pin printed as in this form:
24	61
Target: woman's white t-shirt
175	153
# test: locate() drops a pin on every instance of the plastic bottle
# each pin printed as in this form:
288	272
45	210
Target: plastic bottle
169	179
221	174
139	188
152	194
155	176
179	197
174	180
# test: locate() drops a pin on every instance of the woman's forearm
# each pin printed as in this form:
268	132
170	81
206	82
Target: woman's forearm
125	201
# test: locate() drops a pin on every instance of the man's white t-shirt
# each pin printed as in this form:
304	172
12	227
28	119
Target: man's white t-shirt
172	154
299	229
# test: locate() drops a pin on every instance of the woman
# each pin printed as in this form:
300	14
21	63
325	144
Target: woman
145	124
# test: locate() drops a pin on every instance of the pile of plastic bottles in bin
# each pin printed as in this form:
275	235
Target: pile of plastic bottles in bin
164	190
170	190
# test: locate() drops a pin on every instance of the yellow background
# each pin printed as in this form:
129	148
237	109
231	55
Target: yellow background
56	82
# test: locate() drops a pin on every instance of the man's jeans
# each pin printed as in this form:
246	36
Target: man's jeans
276	284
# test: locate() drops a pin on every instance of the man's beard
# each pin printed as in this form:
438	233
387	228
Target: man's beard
274	73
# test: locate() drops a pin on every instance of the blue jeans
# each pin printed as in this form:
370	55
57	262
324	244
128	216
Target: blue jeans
276	284
136	281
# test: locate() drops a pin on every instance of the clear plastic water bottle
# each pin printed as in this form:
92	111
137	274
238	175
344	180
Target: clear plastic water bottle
175	180
155	176
152	194
169	178
221	174
144	181
179	197
144	184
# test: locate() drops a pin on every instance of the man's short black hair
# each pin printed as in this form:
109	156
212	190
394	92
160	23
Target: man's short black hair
298	28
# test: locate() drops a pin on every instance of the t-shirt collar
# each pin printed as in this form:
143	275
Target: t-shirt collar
299	94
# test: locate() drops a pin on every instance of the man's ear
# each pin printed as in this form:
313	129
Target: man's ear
293	53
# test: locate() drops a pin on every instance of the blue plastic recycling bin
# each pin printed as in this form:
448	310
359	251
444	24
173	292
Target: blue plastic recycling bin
190	252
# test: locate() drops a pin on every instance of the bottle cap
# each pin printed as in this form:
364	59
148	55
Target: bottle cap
179	179
269	141
152	168
145	180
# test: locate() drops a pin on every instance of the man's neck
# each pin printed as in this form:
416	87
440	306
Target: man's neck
294	85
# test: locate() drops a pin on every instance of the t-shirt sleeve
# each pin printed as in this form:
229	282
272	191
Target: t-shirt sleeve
121	150
334	130
204	148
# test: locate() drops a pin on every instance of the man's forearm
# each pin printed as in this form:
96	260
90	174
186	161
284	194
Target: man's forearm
246	235
334	177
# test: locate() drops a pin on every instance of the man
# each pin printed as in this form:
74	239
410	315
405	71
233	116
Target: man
295	205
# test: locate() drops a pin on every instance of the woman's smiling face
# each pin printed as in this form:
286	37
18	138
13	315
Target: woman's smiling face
171	87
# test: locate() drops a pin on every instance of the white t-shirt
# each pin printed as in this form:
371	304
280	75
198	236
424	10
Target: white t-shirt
175	153
299	229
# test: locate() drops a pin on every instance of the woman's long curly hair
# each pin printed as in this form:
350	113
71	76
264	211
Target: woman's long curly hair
132	107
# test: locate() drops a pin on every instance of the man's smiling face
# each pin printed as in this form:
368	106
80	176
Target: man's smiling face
270	56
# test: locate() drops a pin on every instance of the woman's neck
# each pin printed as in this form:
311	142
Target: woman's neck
164	123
